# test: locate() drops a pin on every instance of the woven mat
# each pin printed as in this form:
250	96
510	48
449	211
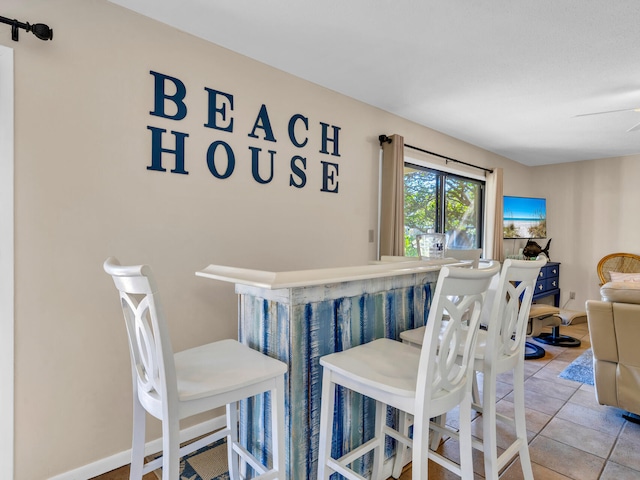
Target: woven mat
581	369
208	463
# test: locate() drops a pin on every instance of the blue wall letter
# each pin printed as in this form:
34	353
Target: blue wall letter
160	96
255	152
326	139
216	107
328	176
299	171
211	161
264	123
157	150
292	134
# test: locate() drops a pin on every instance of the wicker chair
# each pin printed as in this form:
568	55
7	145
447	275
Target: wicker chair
617	262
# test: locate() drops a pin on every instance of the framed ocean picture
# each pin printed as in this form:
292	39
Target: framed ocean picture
525	217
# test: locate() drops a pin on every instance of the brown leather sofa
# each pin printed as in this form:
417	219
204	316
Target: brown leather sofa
614	327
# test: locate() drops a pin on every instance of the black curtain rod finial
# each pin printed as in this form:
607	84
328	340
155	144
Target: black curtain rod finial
384	139
40	30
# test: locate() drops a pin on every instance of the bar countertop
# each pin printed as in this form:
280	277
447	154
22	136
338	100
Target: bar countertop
323	276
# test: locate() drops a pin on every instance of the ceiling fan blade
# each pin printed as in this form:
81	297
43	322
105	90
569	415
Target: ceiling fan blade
635	128
609	111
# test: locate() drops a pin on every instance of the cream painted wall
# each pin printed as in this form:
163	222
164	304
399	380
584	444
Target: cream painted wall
592	211
83	192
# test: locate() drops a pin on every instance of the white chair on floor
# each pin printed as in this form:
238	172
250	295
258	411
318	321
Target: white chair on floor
501	349
423	382
175	386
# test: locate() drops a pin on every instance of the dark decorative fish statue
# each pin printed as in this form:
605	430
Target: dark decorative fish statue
532	249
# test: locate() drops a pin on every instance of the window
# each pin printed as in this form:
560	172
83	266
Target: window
442	202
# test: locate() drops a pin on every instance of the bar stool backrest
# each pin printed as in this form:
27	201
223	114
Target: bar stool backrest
152	363
510	309
460	293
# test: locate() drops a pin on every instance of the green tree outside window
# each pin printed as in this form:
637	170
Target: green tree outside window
440	202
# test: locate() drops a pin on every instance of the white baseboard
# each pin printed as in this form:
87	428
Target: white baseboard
124	458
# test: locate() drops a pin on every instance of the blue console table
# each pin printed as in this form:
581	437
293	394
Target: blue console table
549	283
297	317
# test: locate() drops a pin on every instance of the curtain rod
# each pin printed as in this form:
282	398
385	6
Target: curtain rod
386	139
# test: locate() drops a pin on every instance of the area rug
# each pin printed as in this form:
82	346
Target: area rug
207	463
581	369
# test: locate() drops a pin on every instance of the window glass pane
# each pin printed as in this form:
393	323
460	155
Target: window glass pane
440	202
462	212
420	205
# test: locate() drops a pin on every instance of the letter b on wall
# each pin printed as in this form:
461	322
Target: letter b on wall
160	96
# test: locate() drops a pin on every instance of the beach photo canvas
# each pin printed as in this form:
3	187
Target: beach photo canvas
525	217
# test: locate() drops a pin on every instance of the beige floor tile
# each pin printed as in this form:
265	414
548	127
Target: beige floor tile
451	450
586	397
585	338
552	351
587	439
554	365
613	471
531	367
506	378
436	472
453	418
514	472
535	420
570	354
552	370
577	329
565	459
603	419
503	389
123	474
631	433
627	449
505	433
552	389
540	402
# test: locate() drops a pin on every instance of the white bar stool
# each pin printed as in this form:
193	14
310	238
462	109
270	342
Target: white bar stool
175	386
500	349
423	382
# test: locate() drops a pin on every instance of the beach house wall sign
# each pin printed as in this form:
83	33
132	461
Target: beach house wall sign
170	103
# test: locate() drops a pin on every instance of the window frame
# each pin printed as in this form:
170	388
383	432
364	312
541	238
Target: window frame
443	172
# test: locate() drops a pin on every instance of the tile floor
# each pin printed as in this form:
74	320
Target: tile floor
570	435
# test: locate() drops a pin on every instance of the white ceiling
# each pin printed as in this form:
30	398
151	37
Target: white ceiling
506	75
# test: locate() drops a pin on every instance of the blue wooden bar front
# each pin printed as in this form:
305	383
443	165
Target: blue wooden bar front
298	325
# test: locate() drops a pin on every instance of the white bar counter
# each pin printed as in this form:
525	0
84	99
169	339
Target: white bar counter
299	316
305	278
